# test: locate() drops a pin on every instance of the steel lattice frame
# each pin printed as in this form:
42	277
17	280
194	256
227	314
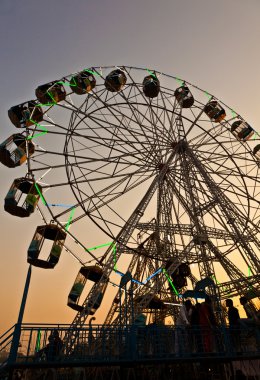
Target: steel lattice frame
196	183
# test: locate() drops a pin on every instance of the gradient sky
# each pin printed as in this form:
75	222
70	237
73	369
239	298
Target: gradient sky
214	45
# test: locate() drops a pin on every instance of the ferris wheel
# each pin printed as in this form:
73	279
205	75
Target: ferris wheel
166	172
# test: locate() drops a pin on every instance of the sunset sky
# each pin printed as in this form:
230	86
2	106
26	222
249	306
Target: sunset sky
214	45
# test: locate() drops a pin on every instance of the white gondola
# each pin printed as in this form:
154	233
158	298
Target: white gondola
215	111
22	198
242	130
50	232
13	150
184	97
25	114
91	273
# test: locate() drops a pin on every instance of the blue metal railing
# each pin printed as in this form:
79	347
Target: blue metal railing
42	344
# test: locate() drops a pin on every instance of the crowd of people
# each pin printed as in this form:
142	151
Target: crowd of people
197	326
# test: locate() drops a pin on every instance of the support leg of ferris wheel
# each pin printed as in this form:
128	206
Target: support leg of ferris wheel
231	213
121	240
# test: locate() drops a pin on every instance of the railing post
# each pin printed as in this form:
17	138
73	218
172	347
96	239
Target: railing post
133	340
17	330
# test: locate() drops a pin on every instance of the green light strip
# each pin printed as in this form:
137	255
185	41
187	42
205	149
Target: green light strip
70	218
208	95
151	73
92	72
249	271
68	84
106	245
233	113
44	130
170	281
51	96
179	81
99	246
39	192
38	341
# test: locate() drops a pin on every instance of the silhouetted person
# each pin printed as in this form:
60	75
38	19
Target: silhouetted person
207	323
182	322
195	328
54	346
233	314
234	325
250	313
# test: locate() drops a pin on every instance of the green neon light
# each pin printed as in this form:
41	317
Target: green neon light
92	72
70	218
39	192
99	246
179	81
208	95
256	135
249	271
214	278
38	341
51	96
44	130
151	73
106	245
233	113
68	84
170	281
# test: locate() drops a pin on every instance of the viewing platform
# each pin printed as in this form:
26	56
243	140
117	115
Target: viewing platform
131	347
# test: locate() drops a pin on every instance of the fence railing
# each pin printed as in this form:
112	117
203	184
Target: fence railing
102	343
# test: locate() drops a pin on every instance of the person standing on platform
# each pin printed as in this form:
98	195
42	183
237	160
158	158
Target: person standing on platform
182	322
234	325
207	323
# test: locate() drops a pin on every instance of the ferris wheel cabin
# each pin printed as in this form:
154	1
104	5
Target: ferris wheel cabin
179	275
215	112
25	114
256	152
82	83
50	93
242	130
155	303
91	273
13	150
115	80
151	86
50	232
184	97
22	198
